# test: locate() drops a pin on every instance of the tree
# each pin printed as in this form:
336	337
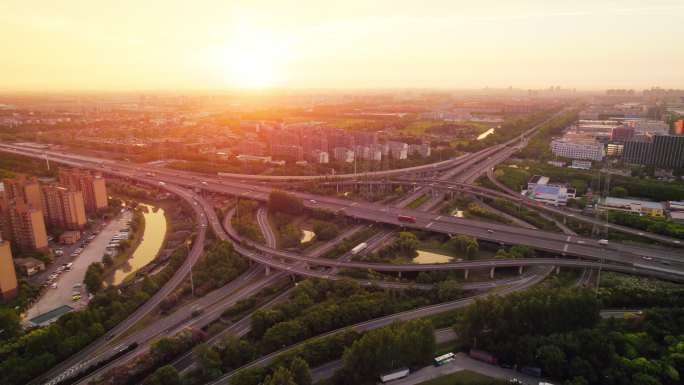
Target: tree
464	244
448	290
93	277
300	371
107	260
10	323
618	191
552	360
281	376
280	201
208	360
166	375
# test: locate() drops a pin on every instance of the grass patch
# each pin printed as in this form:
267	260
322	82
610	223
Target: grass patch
418	202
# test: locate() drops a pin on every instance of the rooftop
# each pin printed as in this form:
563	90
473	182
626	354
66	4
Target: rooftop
611	201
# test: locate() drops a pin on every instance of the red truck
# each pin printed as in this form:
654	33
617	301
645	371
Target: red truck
406	218
483	356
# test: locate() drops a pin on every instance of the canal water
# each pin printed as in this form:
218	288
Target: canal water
150	244
485	134
430	257
307	236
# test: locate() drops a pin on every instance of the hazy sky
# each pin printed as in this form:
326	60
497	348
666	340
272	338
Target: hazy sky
220	44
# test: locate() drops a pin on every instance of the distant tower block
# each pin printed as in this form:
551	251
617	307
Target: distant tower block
8	277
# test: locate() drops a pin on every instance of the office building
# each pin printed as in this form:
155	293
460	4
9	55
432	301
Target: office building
578	149
663	151
93	187
23	225
8	277
343	154
64	208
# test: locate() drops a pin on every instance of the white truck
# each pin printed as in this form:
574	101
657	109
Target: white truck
358	248
603	242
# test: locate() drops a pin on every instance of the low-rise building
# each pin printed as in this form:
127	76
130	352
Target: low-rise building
653	209
578	149
553	194
581	164
29	266
69	237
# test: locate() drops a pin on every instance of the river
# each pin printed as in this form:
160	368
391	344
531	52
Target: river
150	244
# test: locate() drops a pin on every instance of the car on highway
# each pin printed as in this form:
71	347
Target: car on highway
490	231
313	201
647	258
54	285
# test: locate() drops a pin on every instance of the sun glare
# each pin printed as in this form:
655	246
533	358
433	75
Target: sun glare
254	59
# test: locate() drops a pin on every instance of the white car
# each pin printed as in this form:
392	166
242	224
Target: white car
313	201
54	285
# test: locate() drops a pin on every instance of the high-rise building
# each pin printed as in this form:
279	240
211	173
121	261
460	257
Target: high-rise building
93	187
23	225
668	151
8	277
664	151
24	188
64	208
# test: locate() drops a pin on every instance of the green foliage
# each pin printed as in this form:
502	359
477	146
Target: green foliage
523	213
318	306
538	146
464	244
618	191
325	231
448	290
166	375
219	265
10	324
618	290
93	277
560	332
405	246
244	220
280	201
388	348
650	224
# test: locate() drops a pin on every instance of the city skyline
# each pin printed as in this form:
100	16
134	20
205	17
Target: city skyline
125	46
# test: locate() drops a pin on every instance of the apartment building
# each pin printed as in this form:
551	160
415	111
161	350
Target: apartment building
23	225
23	188
64	208
8	277
93	187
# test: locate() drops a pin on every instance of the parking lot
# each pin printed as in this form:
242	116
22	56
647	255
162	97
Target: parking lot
65	283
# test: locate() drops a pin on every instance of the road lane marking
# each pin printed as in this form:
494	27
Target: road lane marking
568	239
565	248
438	218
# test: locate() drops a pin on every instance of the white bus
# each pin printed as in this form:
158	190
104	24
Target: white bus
400	373
444	358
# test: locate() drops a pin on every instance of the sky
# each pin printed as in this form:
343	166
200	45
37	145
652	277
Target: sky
155	45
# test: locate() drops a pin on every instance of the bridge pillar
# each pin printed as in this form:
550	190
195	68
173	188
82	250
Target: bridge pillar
400	275
466	272
520	270
557	270
268	270
491	272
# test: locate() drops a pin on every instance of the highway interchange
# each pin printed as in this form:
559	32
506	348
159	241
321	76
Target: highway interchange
584	252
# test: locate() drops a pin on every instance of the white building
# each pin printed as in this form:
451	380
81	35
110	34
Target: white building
423	150
343	154
399	150
584	149
650	127
319	156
